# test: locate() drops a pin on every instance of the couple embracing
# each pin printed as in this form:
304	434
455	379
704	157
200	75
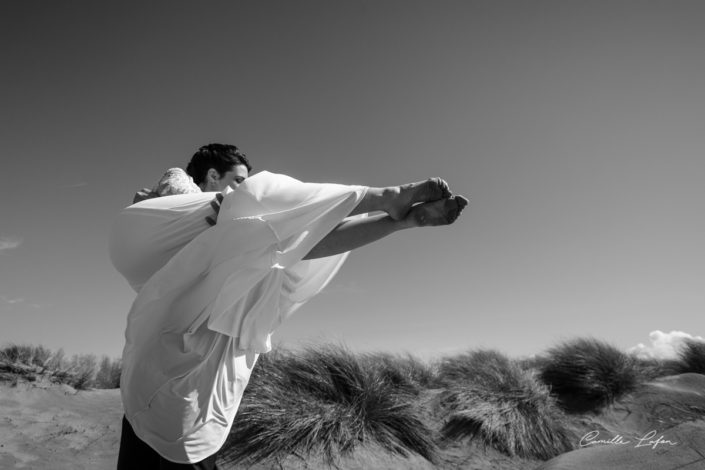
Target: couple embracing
219	258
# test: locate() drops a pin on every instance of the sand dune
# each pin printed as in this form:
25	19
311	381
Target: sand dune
56	427
688	452
661	426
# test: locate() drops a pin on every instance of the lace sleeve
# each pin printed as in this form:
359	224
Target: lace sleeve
174	181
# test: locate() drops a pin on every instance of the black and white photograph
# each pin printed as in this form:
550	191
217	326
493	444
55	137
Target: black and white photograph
352	234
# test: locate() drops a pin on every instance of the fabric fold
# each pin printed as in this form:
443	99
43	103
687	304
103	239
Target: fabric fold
299	215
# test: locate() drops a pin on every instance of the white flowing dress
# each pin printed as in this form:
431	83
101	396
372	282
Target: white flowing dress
209	299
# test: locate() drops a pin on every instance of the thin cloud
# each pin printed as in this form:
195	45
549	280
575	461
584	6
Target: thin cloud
9	243
17	301
12	301
663	345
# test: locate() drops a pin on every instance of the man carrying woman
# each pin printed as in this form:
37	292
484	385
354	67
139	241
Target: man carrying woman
209	297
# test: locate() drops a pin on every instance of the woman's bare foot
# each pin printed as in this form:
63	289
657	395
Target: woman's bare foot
400	199
442	212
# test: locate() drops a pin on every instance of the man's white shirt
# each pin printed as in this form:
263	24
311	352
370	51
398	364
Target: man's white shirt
209	299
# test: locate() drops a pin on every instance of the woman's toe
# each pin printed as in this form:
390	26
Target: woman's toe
462	202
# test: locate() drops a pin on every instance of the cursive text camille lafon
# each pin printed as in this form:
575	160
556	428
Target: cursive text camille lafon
647	440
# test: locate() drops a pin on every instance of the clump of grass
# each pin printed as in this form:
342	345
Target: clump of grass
492	398
692	357
651	368
586	374
483	367
323	401
533	363
405	373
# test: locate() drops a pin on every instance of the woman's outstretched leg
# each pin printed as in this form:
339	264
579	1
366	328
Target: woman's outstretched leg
355	233
398	200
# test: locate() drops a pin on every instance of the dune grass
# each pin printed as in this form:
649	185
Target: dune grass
650	369
323	401
493	398
403	372
692	357
586	374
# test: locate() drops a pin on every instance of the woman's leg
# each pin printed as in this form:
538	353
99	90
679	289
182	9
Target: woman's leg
354	233
398	200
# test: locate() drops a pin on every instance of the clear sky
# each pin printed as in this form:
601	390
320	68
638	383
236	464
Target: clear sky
576	128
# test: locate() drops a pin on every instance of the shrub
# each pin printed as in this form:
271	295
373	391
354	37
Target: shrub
325	401
82	371
15	353
24	360
108	375
40	356
31	363
57	361
495	400
586	374
692	357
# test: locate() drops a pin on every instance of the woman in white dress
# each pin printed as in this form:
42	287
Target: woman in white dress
209	298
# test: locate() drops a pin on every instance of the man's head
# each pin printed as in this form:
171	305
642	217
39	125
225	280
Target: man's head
216	166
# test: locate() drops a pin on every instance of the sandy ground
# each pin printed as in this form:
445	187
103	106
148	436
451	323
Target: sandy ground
58	428
55	427
686	453
661	426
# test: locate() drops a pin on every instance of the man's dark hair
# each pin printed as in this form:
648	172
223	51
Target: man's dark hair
221	157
